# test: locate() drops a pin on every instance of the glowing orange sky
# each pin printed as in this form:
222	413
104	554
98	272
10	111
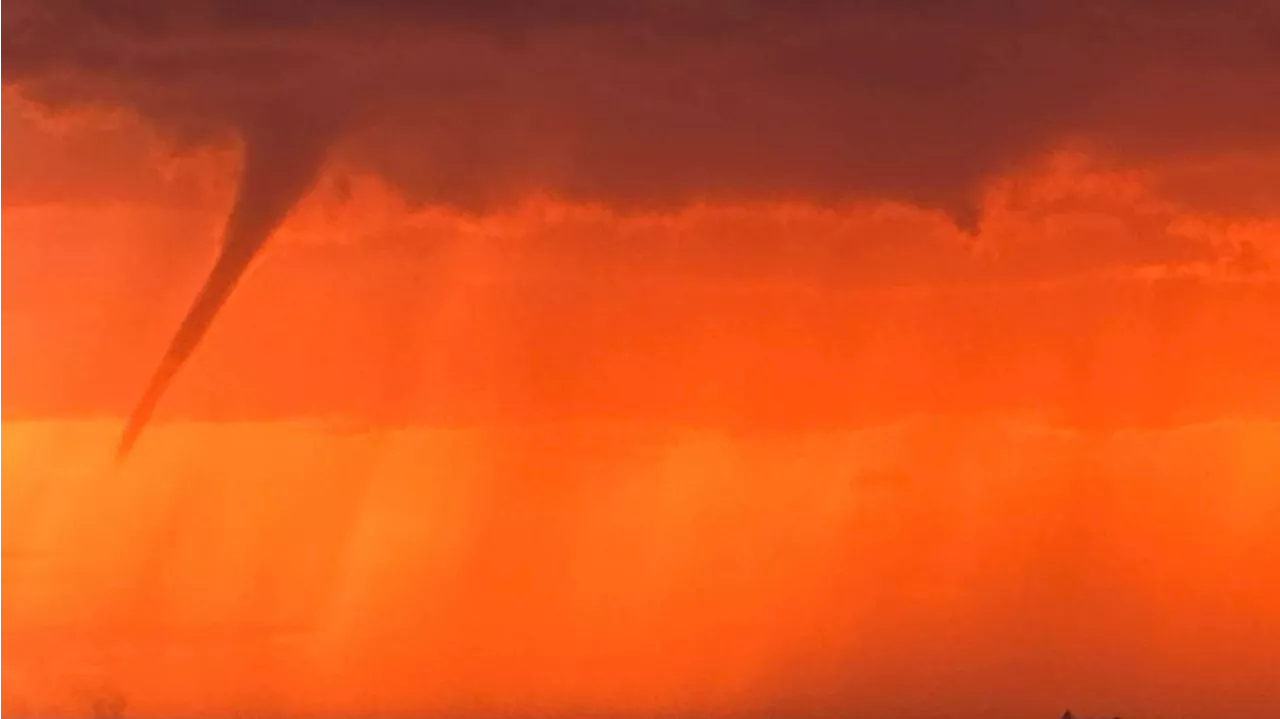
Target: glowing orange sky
563	457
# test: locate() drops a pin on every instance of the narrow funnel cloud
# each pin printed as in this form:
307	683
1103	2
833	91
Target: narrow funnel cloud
280	164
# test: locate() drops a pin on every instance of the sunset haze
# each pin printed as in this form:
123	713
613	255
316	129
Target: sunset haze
638	359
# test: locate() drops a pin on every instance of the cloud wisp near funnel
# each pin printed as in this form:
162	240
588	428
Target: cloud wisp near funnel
280	164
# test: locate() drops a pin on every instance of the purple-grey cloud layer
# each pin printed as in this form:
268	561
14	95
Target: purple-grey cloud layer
657	102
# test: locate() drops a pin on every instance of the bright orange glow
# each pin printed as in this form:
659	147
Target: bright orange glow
289	567
562	459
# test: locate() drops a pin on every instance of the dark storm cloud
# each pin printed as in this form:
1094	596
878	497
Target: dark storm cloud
657	102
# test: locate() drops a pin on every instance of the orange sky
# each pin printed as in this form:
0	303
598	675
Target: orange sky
553	441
